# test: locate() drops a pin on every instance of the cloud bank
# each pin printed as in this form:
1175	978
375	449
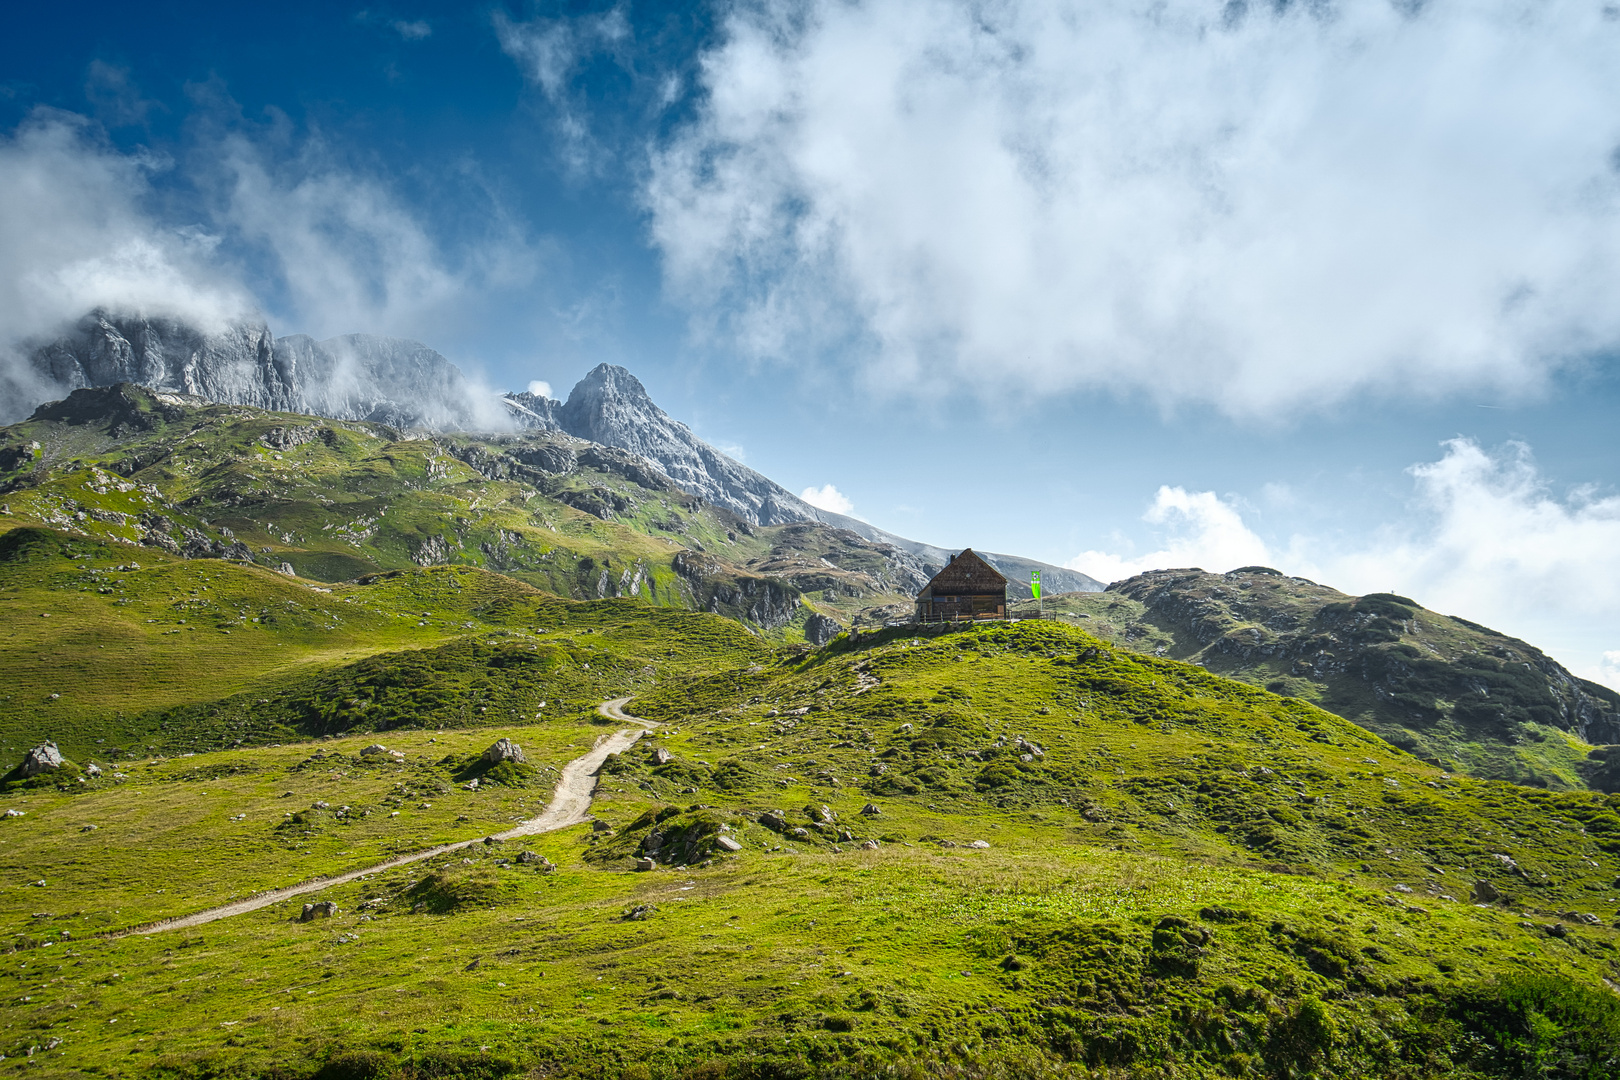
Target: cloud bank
251	221
1266	207
1488	539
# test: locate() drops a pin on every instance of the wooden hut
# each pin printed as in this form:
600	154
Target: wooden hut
968	588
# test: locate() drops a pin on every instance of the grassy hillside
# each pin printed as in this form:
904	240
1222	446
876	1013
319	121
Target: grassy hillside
1077	861
335	501
114	652
1448	690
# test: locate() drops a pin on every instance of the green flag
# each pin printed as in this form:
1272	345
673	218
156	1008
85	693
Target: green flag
1035	583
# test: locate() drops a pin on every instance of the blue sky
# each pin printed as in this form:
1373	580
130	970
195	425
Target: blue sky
1114	284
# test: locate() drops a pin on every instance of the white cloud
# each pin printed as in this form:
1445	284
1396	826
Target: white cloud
549	52
412	30
343	249
1263	206
540	388
283	228
1201	529
74	235
828	498
1487	539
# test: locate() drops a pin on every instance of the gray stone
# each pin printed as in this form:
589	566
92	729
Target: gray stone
819	629
646	864
43	758
92	769
979	844
373	750
504	750
662	756
821	815
870	845
799	834
870	810
774	820
320	909
640	913
728	843
1485	892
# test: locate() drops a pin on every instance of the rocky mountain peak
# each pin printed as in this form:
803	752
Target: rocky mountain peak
610	406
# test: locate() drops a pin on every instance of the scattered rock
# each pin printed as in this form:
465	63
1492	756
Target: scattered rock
531	858
640	913
870	810
321	806
320	909
1403	888
662	756
1507	861
646	864
799	834
92	769
979	844
870	845
89	828
472	785
1485	892
373	750
43	758
774	820
728	844
16	813
1584	917
504	750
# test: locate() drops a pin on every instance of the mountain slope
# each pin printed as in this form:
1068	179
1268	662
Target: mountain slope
406	385
333	501
610	406
1444	688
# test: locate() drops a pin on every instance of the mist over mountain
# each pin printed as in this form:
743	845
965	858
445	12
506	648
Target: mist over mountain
354	377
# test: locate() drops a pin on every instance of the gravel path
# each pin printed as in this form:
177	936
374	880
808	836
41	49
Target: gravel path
570	804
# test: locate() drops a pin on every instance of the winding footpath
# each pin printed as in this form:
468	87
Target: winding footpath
570	804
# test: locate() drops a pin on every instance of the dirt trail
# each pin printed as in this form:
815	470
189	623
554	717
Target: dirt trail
570	804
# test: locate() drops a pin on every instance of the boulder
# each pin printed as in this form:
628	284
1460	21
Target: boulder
640	913
728	844
870	810
979	844
320	909
92	769
373	750
799	834
870	845
600	826
43	758
646	864
821	815
819	629
504	750
662	756
1485	892
774	821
